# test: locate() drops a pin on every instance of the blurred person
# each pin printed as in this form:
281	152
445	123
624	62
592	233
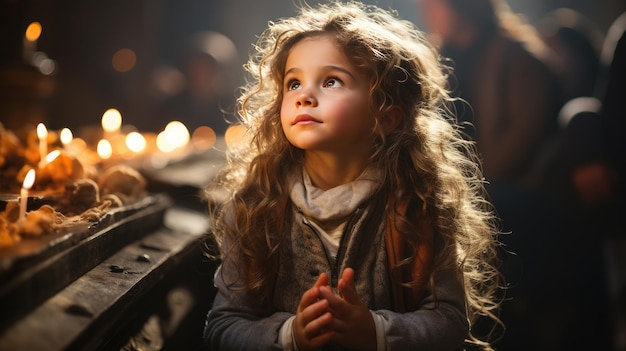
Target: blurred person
578	176
202	91
614	95
584	172
504	71
577	170
608	52
508	98
577	42
613	114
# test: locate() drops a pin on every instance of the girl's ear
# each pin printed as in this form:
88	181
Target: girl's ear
390	121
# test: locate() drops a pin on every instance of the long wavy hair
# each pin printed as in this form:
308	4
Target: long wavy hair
425	159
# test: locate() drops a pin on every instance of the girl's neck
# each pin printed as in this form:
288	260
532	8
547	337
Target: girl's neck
328	172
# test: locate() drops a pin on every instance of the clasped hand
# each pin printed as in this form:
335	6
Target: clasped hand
344	318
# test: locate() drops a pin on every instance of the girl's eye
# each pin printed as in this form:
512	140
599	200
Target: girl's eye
293	85
333	83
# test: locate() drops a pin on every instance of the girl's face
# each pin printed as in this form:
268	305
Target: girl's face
325	103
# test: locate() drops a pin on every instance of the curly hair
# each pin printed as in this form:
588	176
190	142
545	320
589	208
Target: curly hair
425	159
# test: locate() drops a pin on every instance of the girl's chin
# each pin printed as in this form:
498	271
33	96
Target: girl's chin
305	142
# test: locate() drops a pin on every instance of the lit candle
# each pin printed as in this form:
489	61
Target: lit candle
111	122
177	134
42	134
104	149
164	143
135	142
33	31
111	125
52	156
66	138
29	180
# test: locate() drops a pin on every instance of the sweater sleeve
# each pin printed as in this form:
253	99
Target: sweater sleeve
236	321
435	325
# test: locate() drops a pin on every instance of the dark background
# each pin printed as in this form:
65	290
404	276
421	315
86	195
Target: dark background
82	36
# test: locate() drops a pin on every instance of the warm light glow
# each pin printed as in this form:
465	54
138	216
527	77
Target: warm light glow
29	180
66	136
33	31
124	60
78	144
234	135
203	138
111	120
42	132
163	143
45	65
52	156
174	136
104	149
177	134
135	142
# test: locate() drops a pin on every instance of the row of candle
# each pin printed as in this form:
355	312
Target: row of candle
175	136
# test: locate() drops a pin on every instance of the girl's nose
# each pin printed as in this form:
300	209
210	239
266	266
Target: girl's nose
306	99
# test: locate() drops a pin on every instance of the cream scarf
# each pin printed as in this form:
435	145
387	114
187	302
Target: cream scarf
329	210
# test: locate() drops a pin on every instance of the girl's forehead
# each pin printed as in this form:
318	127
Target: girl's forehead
321	45
322	38
326	47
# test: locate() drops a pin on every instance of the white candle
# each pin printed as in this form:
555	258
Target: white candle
29	180
42	134
66	139
111	126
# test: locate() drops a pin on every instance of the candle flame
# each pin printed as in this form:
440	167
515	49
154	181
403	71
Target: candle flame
111	120
42	132
52	156
135	142
104	149
33	31
29	180
66	136
177	134
163	143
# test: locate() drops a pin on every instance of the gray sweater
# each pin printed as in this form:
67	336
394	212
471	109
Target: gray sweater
236	322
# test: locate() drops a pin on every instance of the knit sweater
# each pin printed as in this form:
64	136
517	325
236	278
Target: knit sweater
237	322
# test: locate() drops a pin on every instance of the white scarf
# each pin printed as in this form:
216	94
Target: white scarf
329	209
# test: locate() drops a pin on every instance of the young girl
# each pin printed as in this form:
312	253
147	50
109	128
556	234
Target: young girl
356	218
